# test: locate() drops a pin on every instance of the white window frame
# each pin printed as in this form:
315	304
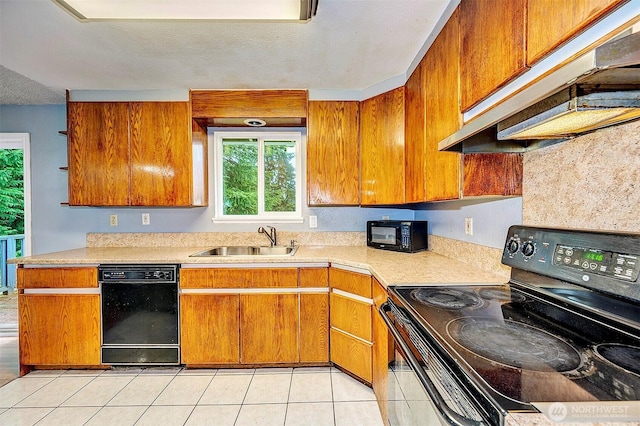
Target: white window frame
262	216
22	141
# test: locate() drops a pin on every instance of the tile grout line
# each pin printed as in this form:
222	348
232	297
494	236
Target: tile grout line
157	396
235	422
111	399
286	407
200	398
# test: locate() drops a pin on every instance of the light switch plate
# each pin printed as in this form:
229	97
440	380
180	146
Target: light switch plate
146	220
313	221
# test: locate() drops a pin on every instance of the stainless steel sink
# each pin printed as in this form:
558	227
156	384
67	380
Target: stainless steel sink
247	251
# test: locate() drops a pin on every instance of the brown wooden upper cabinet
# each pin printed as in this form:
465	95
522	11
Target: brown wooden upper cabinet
544	34
415	184
443	116
332	153
135	154
382	156
493	48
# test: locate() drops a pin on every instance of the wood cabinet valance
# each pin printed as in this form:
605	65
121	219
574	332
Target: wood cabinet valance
276	104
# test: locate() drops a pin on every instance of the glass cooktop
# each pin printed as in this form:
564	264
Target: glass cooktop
522	348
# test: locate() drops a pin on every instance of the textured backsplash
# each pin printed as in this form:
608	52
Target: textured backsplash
590	182
203	239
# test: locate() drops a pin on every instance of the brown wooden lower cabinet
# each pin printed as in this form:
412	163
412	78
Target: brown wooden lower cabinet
350	319
210	331
269	328
59	329
232	316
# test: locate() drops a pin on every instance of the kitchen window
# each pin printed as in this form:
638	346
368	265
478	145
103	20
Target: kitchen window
258	176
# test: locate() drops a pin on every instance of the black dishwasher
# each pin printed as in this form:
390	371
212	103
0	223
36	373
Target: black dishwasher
140	314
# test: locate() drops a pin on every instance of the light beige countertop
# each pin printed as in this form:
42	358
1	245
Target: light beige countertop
387	266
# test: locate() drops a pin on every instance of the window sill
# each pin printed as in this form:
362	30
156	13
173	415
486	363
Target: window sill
258	220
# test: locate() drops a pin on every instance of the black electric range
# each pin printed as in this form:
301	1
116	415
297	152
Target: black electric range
565	328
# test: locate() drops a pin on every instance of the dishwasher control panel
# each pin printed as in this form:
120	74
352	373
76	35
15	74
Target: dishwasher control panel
138	273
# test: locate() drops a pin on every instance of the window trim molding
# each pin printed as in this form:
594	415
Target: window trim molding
272	217
22	141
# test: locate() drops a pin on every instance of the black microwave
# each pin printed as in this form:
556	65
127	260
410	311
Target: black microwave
407	236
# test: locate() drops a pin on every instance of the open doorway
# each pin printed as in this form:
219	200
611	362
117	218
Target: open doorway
15	203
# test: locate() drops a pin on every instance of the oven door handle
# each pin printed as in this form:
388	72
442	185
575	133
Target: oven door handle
447	413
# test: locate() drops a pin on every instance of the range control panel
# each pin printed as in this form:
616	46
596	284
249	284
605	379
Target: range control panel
604	261
624	266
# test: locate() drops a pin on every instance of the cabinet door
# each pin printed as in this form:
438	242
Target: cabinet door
314	316
492	174
269	328
443	116
161	157
98	154
569	18
415	126
59	329
380	363
210	329
382	148
332	153
493	46
314	327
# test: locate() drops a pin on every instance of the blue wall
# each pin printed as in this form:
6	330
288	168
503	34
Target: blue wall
491	219
57	227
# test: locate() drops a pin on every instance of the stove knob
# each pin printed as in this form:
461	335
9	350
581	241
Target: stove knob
513	245
528	249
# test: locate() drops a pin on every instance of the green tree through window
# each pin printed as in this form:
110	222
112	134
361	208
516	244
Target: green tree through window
240	177
11	192
279	177
259	175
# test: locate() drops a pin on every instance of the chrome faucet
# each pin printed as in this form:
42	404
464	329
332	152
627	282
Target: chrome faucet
271	235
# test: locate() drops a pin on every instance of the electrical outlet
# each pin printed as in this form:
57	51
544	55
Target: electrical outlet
113	220
146	220
385	217
313	221
468	226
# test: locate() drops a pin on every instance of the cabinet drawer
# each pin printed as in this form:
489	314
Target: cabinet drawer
314	277
57	277
351	316
238	278
351	282
351	354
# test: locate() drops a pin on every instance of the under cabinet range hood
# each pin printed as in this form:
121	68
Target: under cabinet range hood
597	89
608	94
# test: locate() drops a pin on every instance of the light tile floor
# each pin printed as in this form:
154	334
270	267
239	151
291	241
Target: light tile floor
174	396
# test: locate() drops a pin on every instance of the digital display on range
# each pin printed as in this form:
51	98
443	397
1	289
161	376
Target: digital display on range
589	255
602	262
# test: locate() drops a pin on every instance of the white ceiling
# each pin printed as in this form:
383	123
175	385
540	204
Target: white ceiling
350	45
